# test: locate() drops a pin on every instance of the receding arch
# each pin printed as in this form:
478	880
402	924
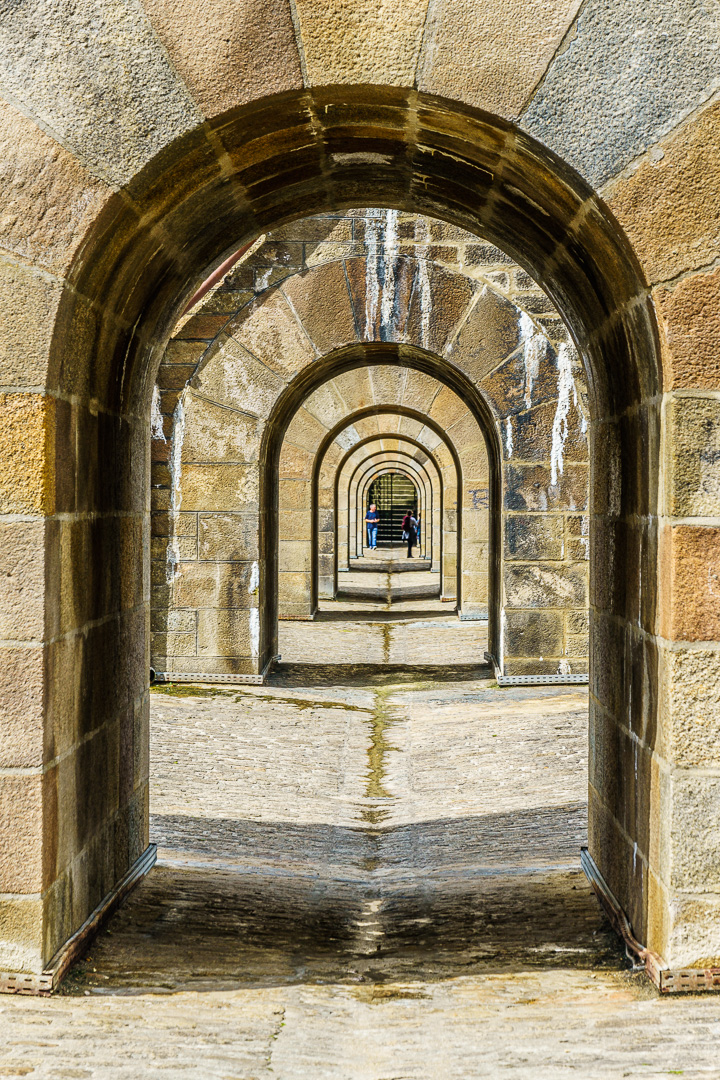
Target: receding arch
434	543
382	410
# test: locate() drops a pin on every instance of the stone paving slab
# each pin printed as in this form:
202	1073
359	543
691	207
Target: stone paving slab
365	874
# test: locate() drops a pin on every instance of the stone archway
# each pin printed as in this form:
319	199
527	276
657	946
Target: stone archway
301	152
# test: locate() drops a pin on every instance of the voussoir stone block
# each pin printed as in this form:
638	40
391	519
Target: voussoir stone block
368	41
493	62
270	330
668	204
225	50
96	75
628	75
49	199
322	304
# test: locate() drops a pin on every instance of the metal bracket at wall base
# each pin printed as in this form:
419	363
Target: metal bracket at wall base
212	680
667	980
47	981
534	680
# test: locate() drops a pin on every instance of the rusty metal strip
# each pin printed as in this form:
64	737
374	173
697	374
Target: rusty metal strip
667	980
534	680
211	680
43	984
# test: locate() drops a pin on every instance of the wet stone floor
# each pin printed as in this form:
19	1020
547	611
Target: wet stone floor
368	870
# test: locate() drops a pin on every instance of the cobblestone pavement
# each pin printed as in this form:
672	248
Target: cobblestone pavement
364	874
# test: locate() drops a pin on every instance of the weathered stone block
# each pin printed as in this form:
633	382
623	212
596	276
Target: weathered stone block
127	74
294	555
27	474
533	633
172	644
534	537
690	708
22	694
693	939
305	431
488	335
231	376
322	303
219	487
21	826
295	525
227	537
694	448
22	945
224	633
545	585
270	331
528	487
214	584
385	41
216	434
690	321
22	571
691	583
49	199
577	622
224	52
294	495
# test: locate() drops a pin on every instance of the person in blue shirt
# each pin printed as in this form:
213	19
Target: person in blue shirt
371	521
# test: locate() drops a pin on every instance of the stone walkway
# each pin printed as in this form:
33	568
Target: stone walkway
365	873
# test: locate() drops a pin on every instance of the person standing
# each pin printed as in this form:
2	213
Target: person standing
409	532
371	520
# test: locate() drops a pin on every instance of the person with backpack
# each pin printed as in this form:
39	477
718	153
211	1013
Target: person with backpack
409	532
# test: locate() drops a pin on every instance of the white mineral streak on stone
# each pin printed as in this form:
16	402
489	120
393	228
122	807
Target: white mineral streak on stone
254	633
263	279
176	445
566	387
425	293
372	284
564	668
347	438
535	347
253	589
387	314
156	420
508	437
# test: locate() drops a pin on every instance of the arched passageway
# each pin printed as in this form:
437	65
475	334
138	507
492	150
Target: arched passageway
305	152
